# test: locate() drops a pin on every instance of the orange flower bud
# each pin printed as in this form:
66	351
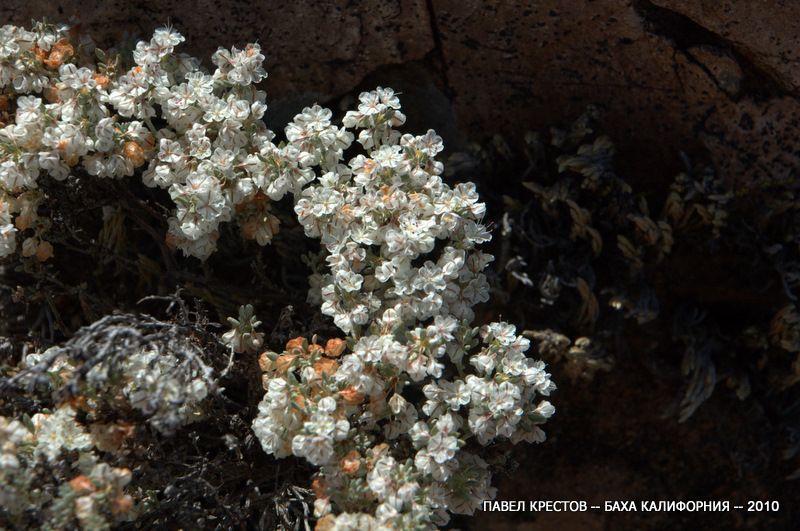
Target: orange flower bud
121	504
326	523
350	463
171	240
101	79
296	343
81	484
377	405
111	437
72	160
283	363
134	153
351	396
264	363
77	402
59	53
300	400
51	94
39	53
261	200
335	347
44	252
325	366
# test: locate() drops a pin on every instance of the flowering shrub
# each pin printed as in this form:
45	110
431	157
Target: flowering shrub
132	363
89	492
397	412
213	154
403	275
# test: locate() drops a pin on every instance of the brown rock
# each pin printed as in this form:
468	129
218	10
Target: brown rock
667	83
767	33
537	65
725	70
754	142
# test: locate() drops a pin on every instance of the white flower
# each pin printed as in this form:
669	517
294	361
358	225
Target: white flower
442	447
59	431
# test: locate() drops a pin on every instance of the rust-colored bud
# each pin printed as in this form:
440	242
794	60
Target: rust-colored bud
82	484
320	487
51	94
101	79
297	343
351	396
313	348
111	437
134	153
59	53
261	200
171	240
335	347
300	400
121	504
326	523
350	463
264	363
39	53
44	251
325	366
283	363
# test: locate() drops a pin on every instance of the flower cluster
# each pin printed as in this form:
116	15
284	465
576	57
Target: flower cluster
403	276
397	413
13	436
88	492
59	431
200	136
163	381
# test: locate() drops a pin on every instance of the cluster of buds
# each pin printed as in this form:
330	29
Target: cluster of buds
96	497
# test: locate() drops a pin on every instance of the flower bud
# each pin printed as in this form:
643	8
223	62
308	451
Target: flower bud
326	523
325	366
102	80
134	153
320	487
81	484
351	463
264	363
44	252
335	347
351	396
121	504
297	343
283	363
61	52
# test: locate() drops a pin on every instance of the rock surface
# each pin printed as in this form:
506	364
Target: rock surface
717	79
